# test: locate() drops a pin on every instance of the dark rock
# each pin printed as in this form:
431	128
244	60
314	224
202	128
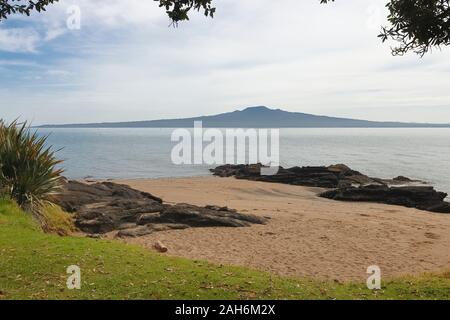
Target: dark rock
217	208
325	177
135	232
100	224
76	194
94	236
167	226
442	207
420	197
127	225
347	185
343	170
402	179
147	218
138	231
104	207
199	217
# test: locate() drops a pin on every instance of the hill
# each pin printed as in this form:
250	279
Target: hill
256	117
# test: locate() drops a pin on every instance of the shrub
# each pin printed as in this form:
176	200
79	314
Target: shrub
28	172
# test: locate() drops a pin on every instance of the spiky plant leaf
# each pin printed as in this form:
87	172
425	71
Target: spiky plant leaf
28	168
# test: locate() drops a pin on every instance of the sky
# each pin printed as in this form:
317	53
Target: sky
125	62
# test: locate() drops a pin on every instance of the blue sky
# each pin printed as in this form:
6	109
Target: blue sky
126	63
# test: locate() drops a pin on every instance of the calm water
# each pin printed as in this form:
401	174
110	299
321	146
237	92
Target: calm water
145	153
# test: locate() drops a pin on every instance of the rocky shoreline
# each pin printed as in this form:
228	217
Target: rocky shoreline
104	207
348	185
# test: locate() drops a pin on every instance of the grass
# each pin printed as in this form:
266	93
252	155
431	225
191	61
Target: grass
57	220
33	266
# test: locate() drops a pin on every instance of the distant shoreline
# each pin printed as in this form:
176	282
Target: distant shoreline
255	117
444	126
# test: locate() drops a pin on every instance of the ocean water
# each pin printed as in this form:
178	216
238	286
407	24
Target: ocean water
146	153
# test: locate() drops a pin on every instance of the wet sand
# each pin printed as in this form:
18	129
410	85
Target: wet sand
306	235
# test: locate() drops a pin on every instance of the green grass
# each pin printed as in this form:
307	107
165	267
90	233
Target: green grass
57	220
33	266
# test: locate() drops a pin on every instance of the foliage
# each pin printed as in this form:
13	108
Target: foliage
28	172
9	7
417	25
178	10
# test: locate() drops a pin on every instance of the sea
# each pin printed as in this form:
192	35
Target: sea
122	153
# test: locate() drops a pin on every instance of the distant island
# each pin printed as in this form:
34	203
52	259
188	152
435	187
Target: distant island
255	117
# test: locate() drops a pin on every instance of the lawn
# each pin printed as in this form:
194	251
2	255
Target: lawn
33	266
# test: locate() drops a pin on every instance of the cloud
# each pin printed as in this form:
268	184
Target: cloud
17	63
18	40
125	63
53	33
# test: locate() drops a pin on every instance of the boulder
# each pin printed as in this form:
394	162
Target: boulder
206	217
347	185
318	176
104	207
420	197
76	194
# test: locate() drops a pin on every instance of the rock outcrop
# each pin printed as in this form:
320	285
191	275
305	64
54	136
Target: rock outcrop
103	207
334	176
420	197
347	185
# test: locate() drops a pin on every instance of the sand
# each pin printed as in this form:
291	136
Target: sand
306	236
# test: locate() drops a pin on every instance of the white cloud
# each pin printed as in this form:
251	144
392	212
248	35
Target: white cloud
126	63
54	32
18	40
102	14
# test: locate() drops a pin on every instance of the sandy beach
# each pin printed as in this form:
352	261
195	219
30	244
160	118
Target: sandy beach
306	235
